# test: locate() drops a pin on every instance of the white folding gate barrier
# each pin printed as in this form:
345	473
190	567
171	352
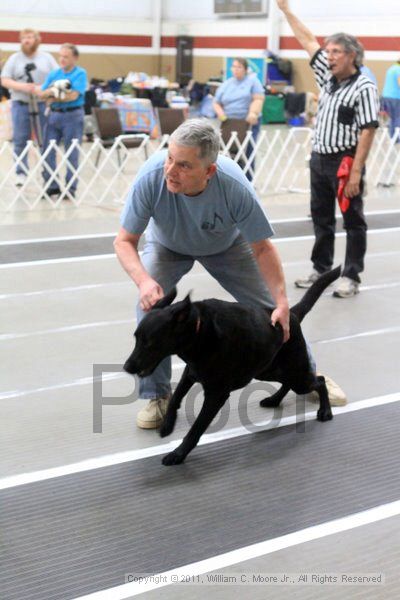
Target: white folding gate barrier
278	163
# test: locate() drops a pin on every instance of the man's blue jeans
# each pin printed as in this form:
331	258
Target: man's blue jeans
22	130
66	126
392	107
235	269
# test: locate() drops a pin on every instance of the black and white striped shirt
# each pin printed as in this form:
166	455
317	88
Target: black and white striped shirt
344	108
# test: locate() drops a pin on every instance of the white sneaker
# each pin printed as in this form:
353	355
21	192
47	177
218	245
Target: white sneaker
20	179
152	415
336	395
306	282
346	288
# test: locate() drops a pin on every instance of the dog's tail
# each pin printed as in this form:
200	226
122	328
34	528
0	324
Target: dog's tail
314	292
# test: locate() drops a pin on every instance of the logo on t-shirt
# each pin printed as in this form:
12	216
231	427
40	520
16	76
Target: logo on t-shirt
206	225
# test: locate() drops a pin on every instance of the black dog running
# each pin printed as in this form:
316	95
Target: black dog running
225	345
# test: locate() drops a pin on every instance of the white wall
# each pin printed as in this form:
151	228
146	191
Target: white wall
204	9
195	17
191	9
135	9
345	8
187	9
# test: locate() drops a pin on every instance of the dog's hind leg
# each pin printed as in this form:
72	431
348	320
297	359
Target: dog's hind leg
275	400
174	404
324	412
211	406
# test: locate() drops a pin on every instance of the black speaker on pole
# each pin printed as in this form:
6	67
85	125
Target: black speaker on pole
184	59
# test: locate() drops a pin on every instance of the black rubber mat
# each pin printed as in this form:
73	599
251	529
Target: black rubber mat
77	534
96	246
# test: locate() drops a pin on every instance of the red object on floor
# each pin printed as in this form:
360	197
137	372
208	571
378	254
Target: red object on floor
343	175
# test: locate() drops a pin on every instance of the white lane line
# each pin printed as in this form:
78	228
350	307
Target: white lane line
386	211
78	288
338	215
69	328
54	261
59	386
353	336
65	238
379	286
74	383
293	220
89	236
227	559
63	290
340	234
66	290
57	261
133	455
83	326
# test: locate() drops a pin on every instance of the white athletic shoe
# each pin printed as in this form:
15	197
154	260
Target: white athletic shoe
152	415
346	288
308	280
336	395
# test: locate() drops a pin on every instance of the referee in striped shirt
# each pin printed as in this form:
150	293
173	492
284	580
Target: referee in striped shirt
346	122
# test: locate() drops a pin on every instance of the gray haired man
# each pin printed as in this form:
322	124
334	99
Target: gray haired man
199	207
347	118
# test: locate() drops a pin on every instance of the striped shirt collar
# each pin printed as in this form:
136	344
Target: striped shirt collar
333	84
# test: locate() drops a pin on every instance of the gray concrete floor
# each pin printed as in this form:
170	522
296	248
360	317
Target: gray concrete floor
57	320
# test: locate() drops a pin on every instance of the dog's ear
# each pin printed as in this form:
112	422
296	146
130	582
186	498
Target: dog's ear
166	300
182	310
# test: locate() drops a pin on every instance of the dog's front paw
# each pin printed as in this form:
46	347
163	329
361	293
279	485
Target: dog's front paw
167	426
324	414
173	458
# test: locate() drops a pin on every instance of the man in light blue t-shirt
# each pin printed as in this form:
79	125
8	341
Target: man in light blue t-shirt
66	116
196	206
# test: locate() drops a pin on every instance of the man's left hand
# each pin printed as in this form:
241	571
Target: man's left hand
281	315
252	118
353	185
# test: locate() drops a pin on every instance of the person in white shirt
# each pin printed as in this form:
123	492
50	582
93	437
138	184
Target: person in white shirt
22	72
